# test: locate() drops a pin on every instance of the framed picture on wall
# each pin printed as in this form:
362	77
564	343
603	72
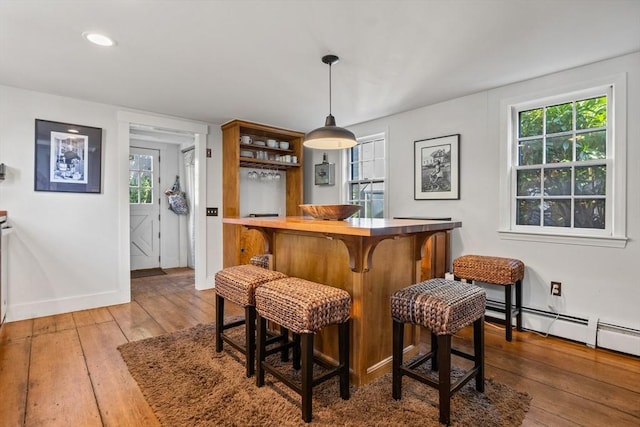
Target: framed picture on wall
437	168
68	157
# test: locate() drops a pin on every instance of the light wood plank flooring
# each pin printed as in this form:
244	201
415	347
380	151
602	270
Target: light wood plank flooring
65	370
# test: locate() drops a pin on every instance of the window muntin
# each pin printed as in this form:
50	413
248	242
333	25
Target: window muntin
562	164
140	179
366	183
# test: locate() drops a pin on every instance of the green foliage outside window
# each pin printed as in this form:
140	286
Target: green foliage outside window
559	182
140	179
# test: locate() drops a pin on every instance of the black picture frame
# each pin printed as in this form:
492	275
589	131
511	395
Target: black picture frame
437	168
68	157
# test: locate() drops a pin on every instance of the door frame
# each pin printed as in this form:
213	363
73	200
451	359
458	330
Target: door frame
200	131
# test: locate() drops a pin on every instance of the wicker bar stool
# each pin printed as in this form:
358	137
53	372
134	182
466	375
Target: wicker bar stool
443	307
237	284
303	307
508	272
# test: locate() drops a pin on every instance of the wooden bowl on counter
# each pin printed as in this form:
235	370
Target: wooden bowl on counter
330	212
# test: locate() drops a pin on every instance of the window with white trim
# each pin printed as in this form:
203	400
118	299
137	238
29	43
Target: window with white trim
566	166
366	182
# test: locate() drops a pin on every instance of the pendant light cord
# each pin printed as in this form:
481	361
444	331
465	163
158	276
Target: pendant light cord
330	88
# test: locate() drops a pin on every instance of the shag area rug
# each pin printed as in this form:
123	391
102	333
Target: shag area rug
188	384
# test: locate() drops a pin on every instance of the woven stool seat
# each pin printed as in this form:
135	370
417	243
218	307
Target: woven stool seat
442	306
303	307
489	269
237	284
308	309
507	272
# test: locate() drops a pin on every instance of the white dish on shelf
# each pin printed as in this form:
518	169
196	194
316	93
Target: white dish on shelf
260	143
284	145
246	153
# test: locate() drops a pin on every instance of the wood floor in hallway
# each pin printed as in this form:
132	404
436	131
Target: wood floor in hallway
65	370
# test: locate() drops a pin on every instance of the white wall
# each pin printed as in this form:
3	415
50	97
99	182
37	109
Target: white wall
597	283
67	248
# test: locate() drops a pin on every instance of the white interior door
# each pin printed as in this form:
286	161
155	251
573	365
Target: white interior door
144	208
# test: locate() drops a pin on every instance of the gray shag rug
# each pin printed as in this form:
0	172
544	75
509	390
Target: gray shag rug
187	383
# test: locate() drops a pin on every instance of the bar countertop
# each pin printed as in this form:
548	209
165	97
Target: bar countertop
350	227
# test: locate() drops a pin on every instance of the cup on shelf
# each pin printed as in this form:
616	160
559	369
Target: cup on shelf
294	159
284	145
272	143
245	139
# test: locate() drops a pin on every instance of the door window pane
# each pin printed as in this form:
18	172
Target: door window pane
140	179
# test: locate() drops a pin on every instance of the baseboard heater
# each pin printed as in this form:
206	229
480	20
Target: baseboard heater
592	332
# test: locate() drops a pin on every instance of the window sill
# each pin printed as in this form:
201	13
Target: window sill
582	240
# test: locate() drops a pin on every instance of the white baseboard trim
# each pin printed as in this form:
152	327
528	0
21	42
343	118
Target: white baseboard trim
591	332
51	307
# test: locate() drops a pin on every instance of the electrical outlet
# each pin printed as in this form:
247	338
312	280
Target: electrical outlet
556	289
212	211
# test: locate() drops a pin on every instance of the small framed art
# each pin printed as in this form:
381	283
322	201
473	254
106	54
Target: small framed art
437	168
68	157
325	174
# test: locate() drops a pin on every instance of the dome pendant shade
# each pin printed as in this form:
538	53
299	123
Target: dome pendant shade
330	136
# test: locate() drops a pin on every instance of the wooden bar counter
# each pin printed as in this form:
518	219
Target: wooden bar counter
370	259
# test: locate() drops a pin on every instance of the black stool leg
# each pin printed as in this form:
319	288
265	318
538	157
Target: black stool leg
307	375
261	350
343	349
219	322
396	359
250	338
296	351
284	339
444	377
434	352
519	305
478	352
508	311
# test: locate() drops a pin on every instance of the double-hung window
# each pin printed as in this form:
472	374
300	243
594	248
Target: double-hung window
563	166
366	183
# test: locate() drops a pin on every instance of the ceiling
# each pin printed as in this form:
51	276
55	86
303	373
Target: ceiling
214	61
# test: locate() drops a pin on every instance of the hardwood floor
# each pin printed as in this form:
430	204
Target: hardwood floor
65	370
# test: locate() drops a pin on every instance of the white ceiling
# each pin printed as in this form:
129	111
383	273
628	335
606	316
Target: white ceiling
261	60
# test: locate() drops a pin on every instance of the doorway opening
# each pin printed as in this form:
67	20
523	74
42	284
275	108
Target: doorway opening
160	237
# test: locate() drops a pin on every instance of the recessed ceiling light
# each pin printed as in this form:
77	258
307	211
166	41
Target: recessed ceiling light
73	130
99	39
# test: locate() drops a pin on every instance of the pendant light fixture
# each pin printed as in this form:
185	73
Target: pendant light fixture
330	136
